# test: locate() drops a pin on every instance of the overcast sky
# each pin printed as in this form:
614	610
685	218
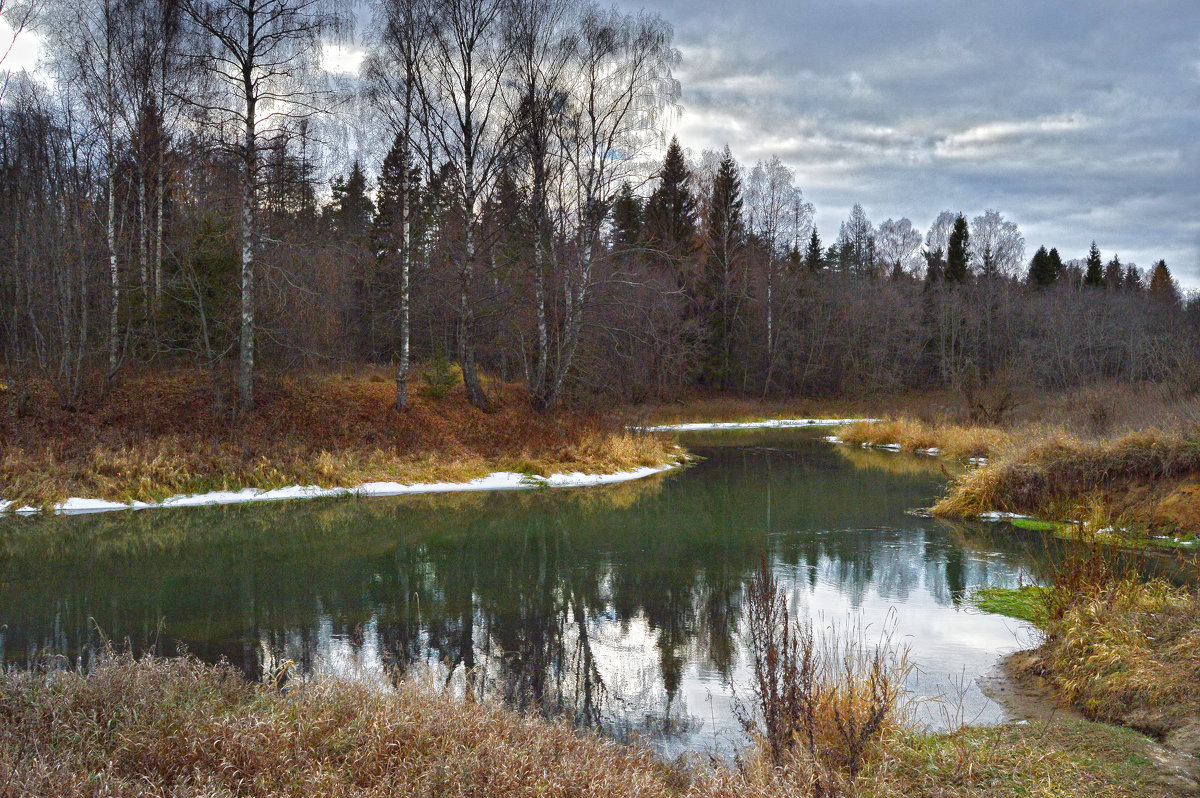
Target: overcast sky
1077	120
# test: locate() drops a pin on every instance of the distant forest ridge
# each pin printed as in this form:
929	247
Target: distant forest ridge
160	204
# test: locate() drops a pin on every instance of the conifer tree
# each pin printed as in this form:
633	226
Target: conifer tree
627	215
1042	271
1133	280
1094	276
813	259
957	251
724	284
1114	274
350	213
935	266
1162	285
671	211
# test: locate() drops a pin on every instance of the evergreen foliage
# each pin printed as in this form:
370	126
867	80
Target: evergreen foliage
813	258
671	210
958	251
1094	276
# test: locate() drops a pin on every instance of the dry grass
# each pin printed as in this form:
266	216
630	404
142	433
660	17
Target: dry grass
912	435
154	437
1124	649
177	727
1141	480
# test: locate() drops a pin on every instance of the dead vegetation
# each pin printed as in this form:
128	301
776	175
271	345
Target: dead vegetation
178	727
1124	649
153	437
912	435
1141	482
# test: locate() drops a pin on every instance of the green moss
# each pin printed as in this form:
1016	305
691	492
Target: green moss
1038	525
1027	603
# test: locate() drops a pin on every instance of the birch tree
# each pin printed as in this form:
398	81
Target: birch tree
997	245
898	246
461	94
393	73
622	85
259	54
780	218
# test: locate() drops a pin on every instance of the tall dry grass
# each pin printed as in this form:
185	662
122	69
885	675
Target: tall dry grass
1124	648
177	727
912	435
825	707
1132	480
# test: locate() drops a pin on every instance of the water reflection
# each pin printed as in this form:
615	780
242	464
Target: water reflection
620	608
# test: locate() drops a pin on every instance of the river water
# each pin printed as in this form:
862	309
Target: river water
619	607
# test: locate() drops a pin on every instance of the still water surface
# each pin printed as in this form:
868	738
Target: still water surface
618	607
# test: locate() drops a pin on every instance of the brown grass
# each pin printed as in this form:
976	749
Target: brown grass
153	437
951	440
177	727
1124	649
1144	480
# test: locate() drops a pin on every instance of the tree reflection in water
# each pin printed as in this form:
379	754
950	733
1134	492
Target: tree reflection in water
619	608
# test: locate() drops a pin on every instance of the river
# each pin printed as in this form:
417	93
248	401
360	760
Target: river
618	607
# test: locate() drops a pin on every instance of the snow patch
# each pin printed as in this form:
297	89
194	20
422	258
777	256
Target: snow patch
778	423
501	480
998	516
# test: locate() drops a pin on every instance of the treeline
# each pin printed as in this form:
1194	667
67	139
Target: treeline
163	201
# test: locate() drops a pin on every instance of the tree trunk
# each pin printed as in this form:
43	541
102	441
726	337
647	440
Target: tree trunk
402	368
246	360
113	271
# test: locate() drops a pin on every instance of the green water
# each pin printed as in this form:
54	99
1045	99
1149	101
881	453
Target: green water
619	607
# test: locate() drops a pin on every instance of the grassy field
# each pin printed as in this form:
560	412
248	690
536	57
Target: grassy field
156	436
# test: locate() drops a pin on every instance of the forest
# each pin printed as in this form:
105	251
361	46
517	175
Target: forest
199	184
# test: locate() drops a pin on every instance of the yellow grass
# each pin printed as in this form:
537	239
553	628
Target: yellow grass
951	440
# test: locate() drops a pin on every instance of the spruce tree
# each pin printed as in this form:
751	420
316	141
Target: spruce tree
1094	276
626	219
957	257
350	213
1133	280
1056	263
1041	269
670	224
724	284
1114	274
935	266
813	259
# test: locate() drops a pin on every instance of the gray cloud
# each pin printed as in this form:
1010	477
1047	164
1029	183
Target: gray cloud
1077	120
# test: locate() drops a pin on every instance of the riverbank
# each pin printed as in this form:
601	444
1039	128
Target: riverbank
1117	647
163	439
1136	486
177	726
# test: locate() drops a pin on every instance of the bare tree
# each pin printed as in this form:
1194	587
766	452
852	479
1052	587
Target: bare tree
393	73
16	16
622	85
259	54
898	246
543	45
461	92
938	237
997	245
779	217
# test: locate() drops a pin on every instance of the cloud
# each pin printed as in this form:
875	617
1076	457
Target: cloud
1076	119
